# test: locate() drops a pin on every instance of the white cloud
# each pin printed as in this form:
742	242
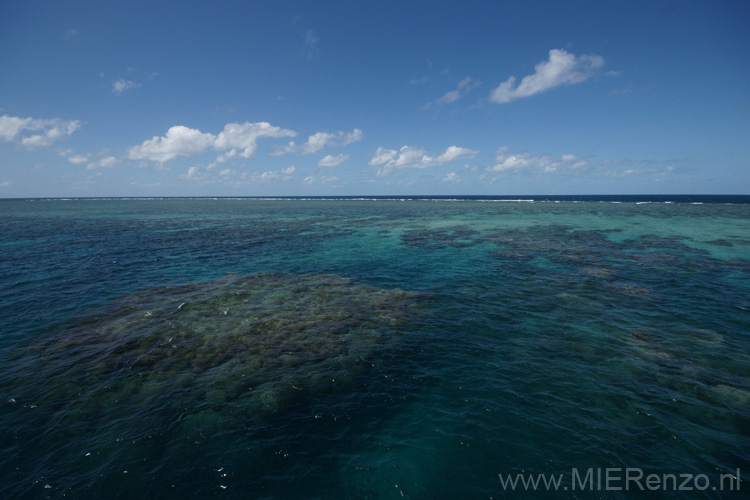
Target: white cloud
531	164
332	161
310	180
15	129
78	159
452	177
106	162
179	141
642	172
5	184
11	126
284	174
193	172
411	157
318	141
464	86
562	68
282	150
223	158
240	138
505	161
198	173
244	136
383	156
121	85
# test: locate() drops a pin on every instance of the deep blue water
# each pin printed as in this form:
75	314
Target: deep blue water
414	347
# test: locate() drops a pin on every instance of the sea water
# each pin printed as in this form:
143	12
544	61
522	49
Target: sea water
375	348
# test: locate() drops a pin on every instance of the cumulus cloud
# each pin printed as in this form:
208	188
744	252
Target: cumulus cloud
244	136
121	85
533	164
239	138
562	68
22	130
179	141
332	161
318	141
452	177
412	157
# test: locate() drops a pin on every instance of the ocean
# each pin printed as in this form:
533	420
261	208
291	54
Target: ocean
375	347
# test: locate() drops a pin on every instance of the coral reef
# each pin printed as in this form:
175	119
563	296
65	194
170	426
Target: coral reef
253	341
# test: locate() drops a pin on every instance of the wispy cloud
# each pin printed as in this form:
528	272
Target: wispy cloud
332	161
283	174
562	68
71	34
207	175
390	160
105	159
34	133
121	85
451	177
318	141
194	173
106	162
311	43
534	165
464	87
641	172
311	180
77	159
419	81
134	81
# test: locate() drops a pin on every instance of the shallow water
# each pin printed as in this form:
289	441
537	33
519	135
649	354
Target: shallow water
370	349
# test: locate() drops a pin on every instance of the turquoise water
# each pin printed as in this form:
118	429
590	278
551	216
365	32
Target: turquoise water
370	349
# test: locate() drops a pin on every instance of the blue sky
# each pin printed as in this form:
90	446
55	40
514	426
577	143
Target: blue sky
355	98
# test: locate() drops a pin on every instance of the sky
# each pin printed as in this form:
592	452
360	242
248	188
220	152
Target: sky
277	98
